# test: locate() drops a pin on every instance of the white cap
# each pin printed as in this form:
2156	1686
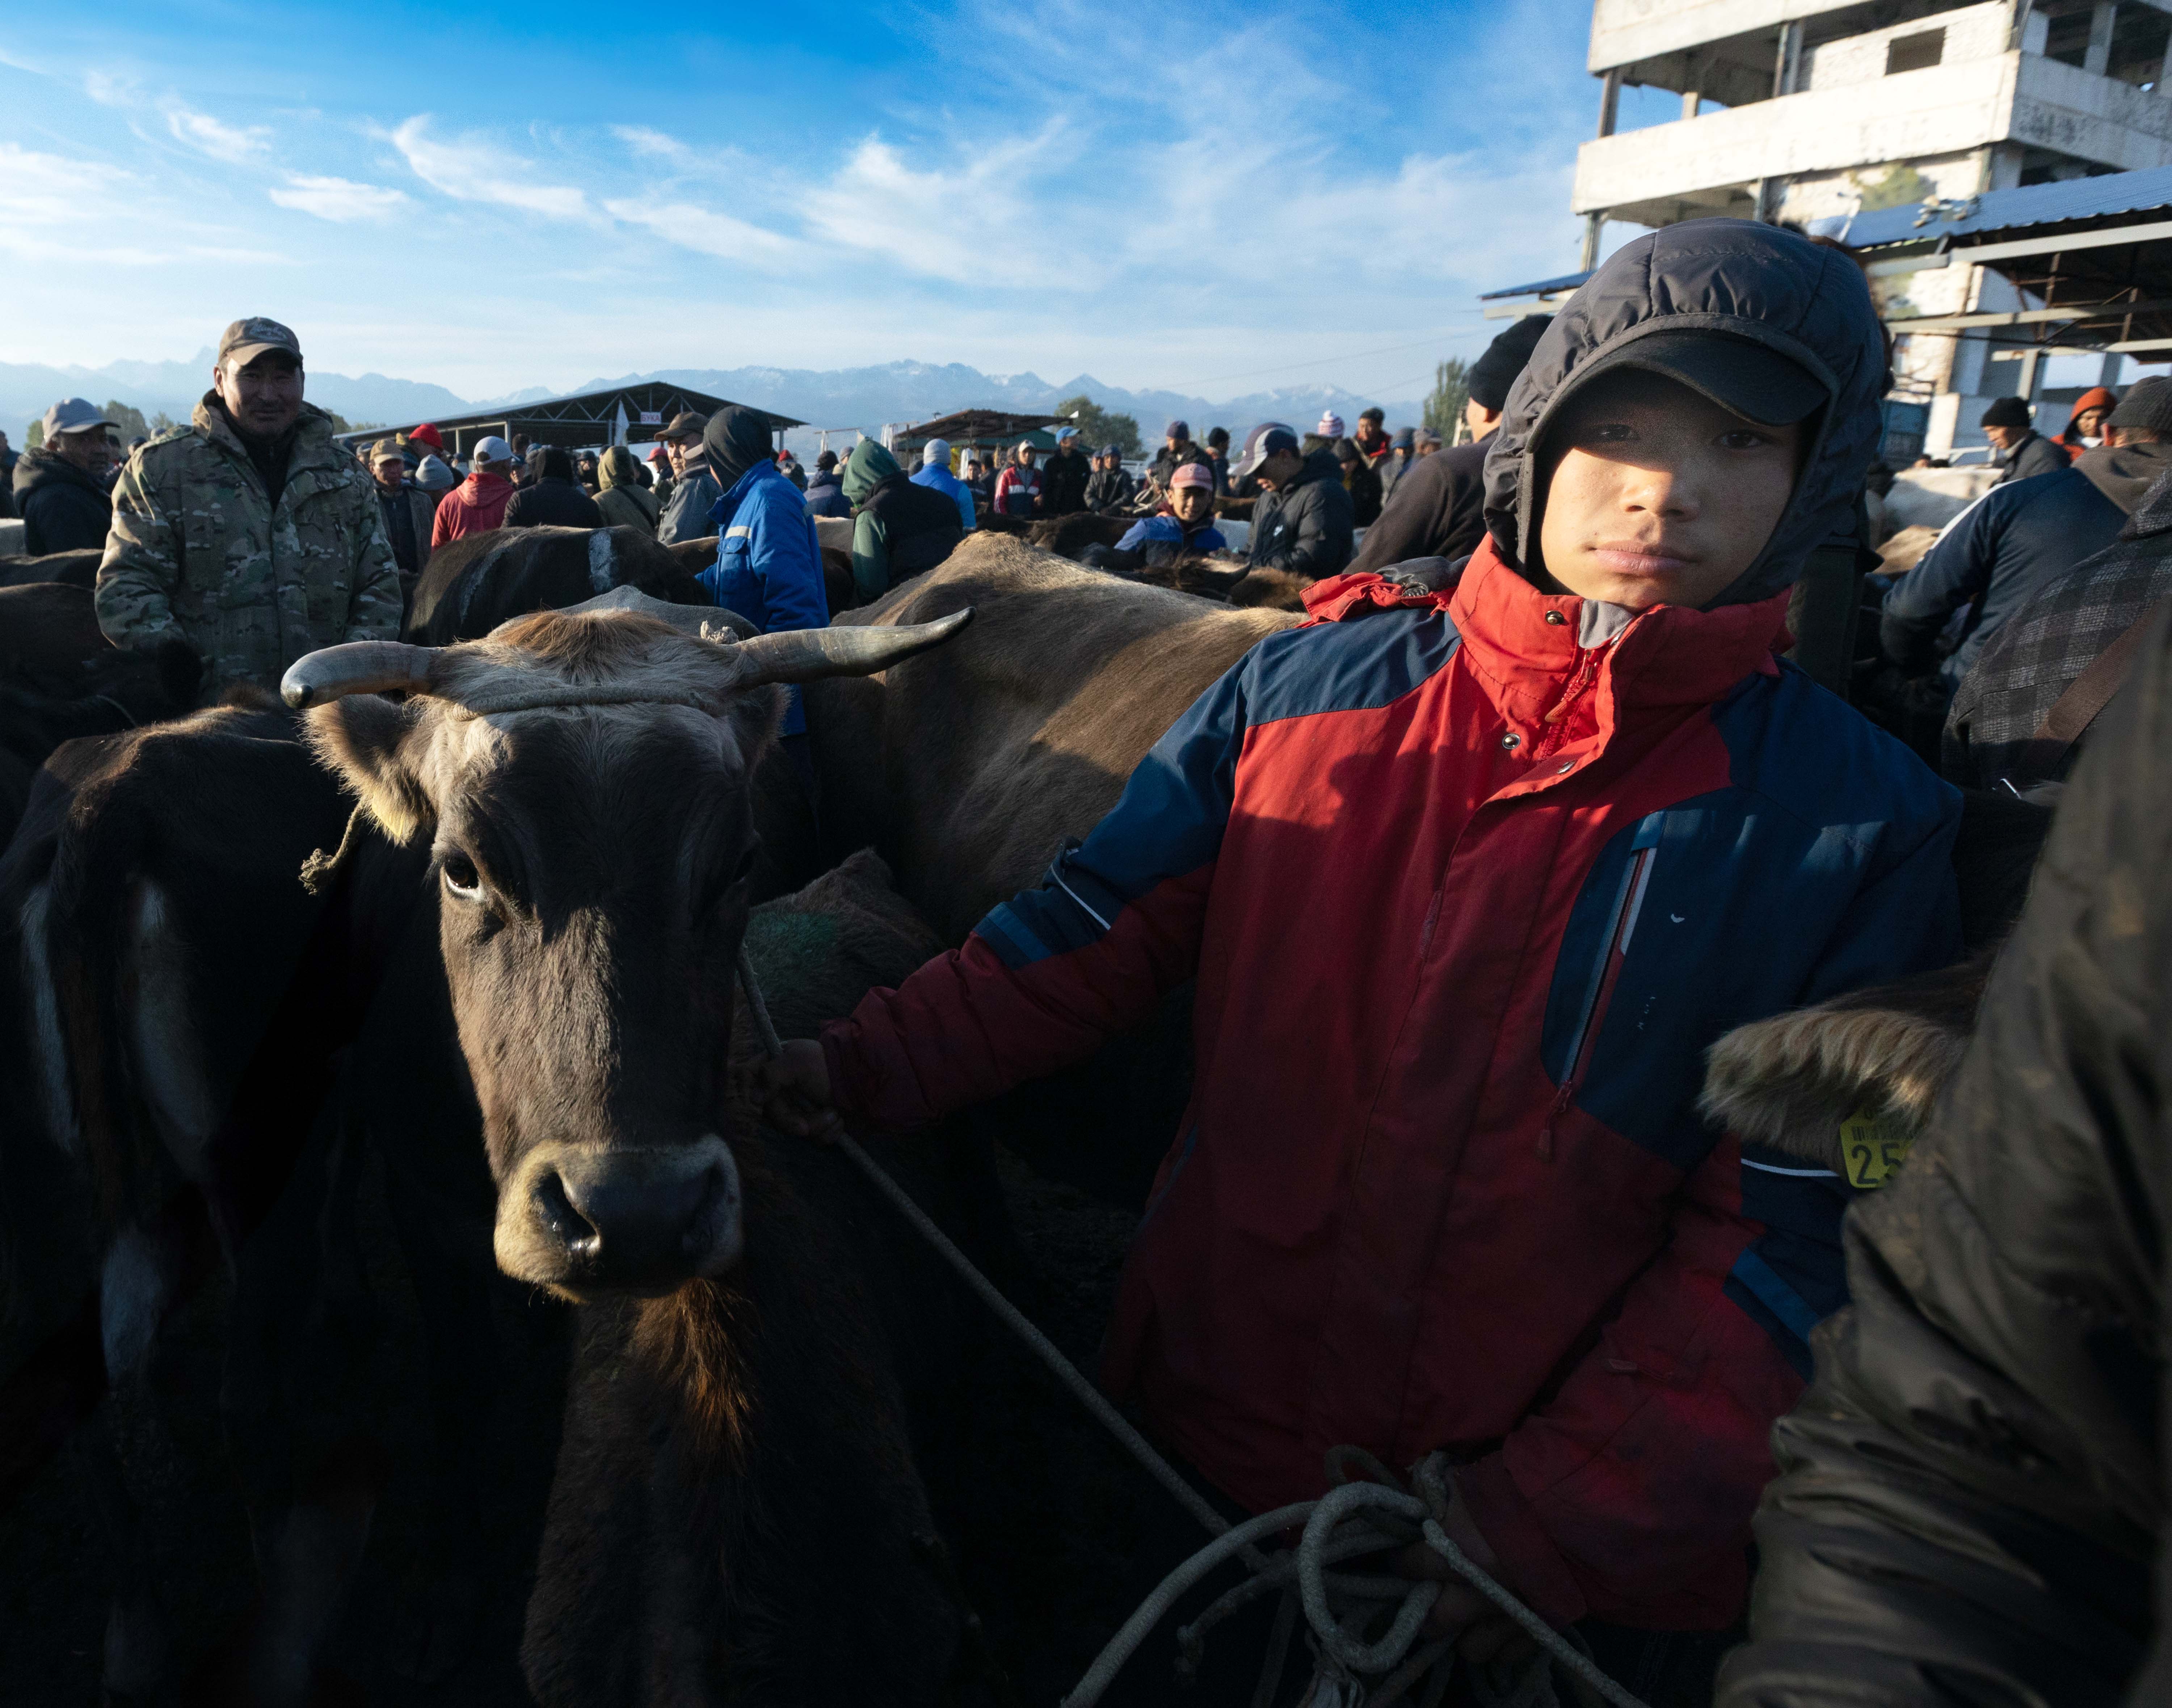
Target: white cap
491	449
935	451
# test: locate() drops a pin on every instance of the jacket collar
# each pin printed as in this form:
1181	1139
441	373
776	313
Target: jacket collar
480	483
1666	658
313	435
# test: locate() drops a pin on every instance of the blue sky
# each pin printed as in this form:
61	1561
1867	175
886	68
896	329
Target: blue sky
1203	198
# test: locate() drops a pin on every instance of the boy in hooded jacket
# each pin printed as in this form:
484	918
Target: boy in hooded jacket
1443	1183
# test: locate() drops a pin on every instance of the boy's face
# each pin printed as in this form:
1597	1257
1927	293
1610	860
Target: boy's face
1655	495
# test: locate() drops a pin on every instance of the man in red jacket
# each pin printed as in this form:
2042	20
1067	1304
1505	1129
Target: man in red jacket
1443	1183
477	504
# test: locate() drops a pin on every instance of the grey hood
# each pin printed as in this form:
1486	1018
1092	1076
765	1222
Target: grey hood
1806	301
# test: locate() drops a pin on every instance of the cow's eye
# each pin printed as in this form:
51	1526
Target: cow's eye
461	877
745	868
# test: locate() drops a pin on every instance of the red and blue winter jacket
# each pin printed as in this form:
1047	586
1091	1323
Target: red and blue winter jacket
1467	902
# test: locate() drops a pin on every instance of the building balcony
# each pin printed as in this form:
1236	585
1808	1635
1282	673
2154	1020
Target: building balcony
1711	163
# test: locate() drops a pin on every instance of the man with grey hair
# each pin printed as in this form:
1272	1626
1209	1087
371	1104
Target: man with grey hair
249	532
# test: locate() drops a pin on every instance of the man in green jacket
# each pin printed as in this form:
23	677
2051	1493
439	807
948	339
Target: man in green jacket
249	534
899	529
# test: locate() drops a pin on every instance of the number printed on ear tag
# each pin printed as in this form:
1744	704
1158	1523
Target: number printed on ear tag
1872	1148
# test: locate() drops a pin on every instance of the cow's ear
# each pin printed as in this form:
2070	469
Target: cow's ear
375	744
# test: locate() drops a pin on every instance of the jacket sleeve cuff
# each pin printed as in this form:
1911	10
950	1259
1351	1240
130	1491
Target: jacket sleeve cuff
874	1095
1530	1565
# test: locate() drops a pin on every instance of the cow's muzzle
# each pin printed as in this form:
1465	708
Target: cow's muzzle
588	1219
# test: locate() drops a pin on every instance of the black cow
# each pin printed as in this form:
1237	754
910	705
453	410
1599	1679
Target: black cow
77	569
60	678
471	585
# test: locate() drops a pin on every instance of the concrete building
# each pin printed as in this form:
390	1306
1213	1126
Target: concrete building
1812	111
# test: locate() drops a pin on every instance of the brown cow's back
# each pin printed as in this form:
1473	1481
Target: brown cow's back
967	766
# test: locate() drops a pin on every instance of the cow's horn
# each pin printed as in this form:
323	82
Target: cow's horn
690	619
357	666
805	655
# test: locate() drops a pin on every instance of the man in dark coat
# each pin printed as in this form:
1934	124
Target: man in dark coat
1064	476
1110	487
1361	481
2023	535
405	509
694	488
1971	1503
60	484
1177	449
826	490
1303	524
2024	451
2042	650
1437	506
550	499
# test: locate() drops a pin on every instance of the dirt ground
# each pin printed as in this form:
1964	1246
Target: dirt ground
1052	1585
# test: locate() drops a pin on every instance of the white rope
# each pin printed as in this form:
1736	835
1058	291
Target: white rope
1341	1524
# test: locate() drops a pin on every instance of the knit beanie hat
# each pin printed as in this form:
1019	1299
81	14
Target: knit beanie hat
1492	373
2005	412
2149	407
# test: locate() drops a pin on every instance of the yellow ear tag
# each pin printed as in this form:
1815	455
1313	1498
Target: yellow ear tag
1871	1147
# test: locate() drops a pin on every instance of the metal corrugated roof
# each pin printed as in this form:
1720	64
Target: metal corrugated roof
2006	210
1566	282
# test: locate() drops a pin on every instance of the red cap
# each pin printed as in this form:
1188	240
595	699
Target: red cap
429	435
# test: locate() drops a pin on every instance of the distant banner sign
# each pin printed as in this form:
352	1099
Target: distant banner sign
652	417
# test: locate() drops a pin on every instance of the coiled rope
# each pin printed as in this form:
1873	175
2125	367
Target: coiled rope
1363	1516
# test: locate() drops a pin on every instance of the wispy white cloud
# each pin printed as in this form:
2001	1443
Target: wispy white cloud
706	232
41	189
233	143
339	200
644	141
977	218
474	168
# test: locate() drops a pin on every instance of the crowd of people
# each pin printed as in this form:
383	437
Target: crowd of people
1444	1182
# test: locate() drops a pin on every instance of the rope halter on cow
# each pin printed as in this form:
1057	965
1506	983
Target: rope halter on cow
1373	1515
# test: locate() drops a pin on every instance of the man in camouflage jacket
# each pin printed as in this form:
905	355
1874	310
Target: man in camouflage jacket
249	532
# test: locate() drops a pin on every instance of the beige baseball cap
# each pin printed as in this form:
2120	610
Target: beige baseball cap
245	341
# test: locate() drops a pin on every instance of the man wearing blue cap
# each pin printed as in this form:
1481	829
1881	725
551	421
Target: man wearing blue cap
1064	478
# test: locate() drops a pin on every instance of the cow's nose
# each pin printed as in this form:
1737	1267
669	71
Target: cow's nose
598	1218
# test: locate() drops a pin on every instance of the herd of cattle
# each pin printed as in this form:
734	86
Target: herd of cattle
453	932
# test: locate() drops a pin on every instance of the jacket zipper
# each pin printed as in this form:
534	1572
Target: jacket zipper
1580	683
1604	975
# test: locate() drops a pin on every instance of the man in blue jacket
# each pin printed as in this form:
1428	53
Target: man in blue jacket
2023	535
934	474
768	567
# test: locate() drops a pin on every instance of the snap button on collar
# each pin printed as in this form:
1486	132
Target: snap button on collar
1555	618
1512	741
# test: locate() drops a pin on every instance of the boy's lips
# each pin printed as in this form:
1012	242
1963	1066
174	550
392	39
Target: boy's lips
1628	557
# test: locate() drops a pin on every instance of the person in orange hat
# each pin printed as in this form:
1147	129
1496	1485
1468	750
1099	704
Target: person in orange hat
2084	429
